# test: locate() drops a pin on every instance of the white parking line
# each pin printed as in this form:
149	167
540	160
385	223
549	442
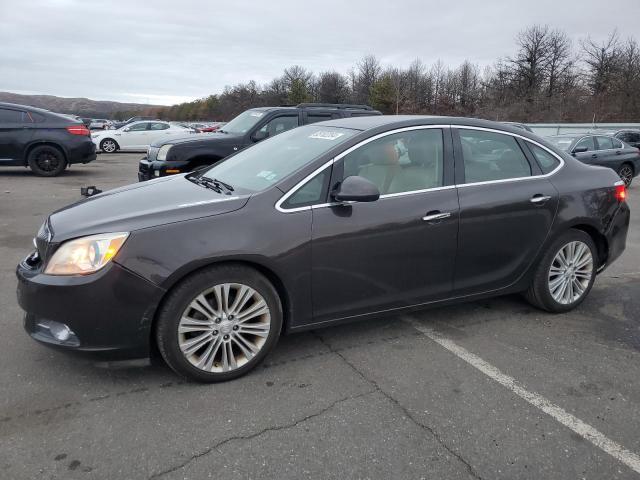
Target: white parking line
586	431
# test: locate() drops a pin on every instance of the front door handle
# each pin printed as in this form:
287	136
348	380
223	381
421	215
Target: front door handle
434	216
540	199
594	155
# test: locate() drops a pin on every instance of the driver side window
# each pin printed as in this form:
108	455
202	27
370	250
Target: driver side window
278	125
400	162
138	127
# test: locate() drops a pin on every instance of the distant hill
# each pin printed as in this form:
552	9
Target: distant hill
83	107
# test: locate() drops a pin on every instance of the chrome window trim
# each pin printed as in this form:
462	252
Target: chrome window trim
413	192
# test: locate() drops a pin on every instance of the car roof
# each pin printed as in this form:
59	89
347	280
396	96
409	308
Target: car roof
24	107
398	121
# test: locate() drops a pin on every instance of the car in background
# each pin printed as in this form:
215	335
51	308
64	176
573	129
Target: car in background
207	127
44	141
117	125
137	136
519	125
182	155
629	136
603	150
99	124
318	226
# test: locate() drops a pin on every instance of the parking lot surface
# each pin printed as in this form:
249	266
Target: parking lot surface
492	389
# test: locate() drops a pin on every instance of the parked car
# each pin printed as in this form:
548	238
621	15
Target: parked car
207	127
118	125
320	225
138	136
629	136
179	155
603	150
44	141
99	123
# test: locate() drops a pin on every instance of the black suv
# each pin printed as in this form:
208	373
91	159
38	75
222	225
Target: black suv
44	141
251	126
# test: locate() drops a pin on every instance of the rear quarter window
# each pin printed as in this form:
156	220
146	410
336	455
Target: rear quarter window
548	163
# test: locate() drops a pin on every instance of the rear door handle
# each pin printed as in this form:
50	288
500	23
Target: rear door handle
594	155
539	199
434	216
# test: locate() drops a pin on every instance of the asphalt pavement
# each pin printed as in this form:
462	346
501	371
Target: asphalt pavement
486	390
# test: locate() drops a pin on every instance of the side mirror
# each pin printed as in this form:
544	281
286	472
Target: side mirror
580	150
259	135
356	189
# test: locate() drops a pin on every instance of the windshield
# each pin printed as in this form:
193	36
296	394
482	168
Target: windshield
563	143
243	122
260	166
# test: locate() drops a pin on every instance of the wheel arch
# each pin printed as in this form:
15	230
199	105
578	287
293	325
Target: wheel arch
44	143
602	245
269	273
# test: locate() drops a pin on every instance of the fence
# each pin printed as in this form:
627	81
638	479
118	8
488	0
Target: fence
546	129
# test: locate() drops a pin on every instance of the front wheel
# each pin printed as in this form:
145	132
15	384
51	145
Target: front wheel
219	323
626	174
108	145
566	273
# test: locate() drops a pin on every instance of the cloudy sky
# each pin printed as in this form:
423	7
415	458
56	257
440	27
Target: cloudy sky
168	51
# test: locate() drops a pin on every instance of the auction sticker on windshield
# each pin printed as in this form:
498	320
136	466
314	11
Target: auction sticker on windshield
326	135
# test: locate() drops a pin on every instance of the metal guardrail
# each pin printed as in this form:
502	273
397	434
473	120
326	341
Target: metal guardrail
547	129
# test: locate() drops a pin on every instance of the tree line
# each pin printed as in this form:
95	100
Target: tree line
548	78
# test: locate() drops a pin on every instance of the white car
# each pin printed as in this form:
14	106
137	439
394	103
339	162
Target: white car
137	136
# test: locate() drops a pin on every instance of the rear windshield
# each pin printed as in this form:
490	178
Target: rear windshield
262	165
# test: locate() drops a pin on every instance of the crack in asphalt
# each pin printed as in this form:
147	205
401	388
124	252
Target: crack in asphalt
251	436
401	407
99	398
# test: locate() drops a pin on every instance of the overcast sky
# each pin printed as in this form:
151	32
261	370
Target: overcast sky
168	51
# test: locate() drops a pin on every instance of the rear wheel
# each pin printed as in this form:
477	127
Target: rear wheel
109	145
566	273
219	323
46	161
626	174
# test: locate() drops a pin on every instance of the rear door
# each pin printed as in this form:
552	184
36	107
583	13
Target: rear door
507	207
159	131
16	130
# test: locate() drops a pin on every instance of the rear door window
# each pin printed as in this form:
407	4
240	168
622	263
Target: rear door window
318	117
492	156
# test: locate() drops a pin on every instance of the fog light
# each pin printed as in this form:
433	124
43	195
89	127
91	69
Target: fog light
60	331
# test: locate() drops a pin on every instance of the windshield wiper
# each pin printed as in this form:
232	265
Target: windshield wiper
218	183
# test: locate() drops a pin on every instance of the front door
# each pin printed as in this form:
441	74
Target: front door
134	137
507	207
399	250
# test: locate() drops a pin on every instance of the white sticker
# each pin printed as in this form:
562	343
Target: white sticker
267	175
326	135
256	114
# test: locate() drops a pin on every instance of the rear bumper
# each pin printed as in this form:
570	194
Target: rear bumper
616	233
109	312
84	152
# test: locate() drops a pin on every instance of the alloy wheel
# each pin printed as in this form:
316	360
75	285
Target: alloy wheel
47	161
626	174
570	272
109	146
224	327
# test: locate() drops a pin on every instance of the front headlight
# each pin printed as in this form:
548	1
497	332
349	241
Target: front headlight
162	153
86	254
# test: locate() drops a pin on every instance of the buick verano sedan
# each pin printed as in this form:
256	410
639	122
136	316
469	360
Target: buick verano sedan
336	221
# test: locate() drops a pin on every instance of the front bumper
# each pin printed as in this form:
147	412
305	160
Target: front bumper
150	169
109	312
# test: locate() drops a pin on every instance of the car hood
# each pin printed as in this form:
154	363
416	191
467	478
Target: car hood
141	205
213	137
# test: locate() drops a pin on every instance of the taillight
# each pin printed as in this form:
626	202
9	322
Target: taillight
621	191
79	130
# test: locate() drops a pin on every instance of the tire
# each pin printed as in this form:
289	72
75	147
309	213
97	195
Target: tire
545	280
194	342
46	161
109	145
625	172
